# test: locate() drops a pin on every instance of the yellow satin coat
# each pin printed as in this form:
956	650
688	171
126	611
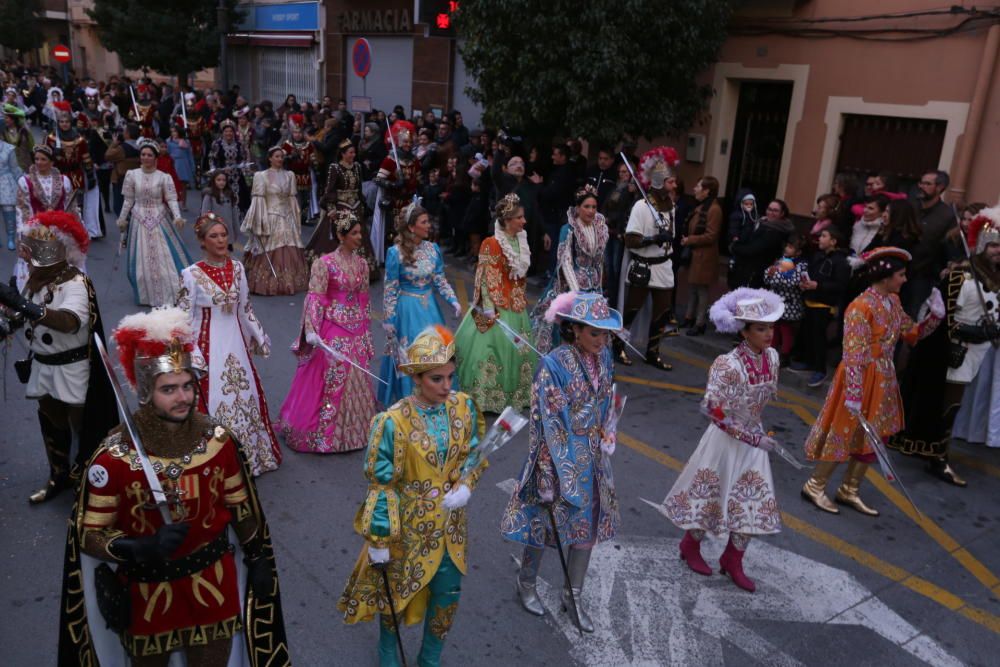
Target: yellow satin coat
420	530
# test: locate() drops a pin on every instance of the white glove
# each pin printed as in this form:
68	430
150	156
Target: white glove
767	443
608	444
936	304
389	328
854	407
377	555
456	498
179	224
490	314
458	311
313	338
546	495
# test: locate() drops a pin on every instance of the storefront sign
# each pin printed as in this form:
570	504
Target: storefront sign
375	21
287	16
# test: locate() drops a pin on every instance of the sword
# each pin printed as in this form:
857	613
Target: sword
253	237
888	470
159	497
135	105
395	153
340	357
184	113
562	561
392	608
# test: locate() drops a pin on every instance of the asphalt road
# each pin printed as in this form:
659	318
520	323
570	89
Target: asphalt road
832	590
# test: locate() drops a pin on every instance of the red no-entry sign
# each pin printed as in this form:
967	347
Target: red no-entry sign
61	53
361	57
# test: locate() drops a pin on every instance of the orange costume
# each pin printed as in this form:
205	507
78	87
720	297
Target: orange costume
872	326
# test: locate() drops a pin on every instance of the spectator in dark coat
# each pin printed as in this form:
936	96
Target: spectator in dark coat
762	246
936	218
554	197
740	224
601	175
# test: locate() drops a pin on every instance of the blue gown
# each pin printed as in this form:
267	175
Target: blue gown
410	307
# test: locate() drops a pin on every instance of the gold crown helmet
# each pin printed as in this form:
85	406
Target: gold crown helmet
154	343
433	348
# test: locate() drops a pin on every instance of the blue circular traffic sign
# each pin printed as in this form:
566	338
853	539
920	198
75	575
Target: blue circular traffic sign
361	57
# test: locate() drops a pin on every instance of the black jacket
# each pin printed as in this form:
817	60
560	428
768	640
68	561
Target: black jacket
556	195
758	251
832	274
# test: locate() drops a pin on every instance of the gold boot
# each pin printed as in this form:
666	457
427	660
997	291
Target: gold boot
815	489
847	492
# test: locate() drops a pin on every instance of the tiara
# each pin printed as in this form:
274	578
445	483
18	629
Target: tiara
344	221
207	220
510	203
587	189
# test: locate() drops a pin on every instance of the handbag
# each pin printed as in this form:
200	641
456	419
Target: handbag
112	598
639	273
23	368
956	354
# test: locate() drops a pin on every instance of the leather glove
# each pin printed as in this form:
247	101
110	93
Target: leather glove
260	576
854	407
457	498
377	555
313	338
767	443
10	297
158	546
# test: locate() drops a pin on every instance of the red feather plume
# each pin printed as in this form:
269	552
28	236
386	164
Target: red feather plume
67	223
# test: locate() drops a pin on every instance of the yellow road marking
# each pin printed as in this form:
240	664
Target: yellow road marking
932	529
918	585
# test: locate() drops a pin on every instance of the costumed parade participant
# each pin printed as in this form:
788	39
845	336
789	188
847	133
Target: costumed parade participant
493	369
71	156
214	293
143	111
194	568
566	483
275	261
229	155
648	275
149	222
397	181
414	270
197	129
343	193
18	135
865	381
417	543
303	159
579	262
42	189
726	485
58	308
10	172
943	364
331	402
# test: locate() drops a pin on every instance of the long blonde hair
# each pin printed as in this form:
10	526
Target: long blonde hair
406	240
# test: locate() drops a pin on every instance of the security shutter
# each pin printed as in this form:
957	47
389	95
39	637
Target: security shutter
284	72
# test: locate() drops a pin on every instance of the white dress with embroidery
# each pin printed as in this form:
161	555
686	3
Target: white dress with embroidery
726	485
217	299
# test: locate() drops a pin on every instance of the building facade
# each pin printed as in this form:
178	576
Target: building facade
799	96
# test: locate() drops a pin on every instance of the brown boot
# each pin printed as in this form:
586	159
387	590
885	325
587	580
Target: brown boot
815	489
847	492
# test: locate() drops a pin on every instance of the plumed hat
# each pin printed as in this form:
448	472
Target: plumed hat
657	165
432	348
52	236
984	229
743	305
151	344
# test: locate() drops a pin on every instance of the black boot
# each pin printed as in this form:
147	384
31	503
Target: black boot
621	356
656	334
57	447
940	468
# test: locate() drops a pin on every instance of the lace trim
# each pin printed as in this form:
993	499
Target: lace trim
518	260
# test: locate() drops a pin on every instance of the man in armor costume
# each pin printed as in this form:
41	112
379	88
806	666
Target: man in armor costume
941	366
647	272
58	309
71	153
204	583
302	160
397	182
146	110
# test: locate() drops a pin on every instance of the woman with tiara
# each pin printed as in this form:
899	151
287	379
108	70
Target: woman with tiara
214	293
277	260
494	364
149	222
414	271
331	401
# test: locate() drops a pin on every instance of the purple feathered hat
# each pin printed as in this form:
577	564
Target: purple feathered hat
733	310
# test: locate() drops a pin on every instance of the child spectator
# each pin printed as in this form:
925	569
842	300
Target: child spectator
221	199
430	196
826	211
829	273
786	278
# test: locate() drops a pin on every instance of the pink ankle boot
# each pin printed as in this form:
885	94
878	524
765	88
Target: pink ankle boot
732	562
691	554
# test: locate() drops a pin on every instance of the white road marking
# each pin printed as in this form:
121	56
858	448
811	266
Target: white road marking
649	609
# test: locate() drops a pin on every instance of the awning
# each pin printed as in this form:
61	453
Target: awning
283	39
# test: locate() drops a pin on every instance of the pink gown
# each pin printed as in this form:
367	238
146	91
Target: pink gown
331	404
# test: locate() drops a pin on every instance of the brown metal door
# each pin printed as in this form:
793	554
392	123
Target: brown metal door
904	147
759	139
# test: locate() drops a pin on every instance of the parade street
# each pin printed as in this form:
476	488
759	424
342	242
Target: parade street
900	589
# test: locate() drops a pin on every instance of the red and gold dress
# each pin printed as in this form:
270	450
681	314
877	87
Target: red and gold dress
873	323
